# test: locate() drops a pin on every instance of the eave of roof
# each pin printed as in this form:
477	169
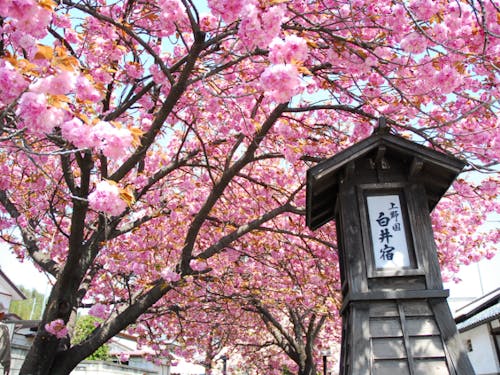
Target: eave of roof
323	177
336	162
11	284
482	317
477	305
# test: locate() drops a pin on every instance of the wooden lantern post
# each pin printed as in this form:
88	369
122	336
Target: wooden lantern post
395	318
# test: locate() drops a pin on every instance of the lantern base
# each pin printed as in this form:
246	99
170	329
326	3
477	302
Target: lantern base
414	336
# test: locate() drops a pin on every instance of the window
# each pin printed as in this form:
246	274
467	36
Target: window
468	345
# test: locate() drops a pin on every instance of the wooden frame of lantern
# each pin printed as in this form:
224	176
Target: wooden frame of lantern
395	316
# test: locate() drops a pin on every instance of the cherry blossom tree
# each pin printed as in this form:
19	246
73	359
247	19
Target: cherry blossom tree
148	147
286	297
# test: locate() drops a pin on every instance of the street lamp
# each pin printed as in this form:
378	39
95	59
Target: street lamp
325	354
224	364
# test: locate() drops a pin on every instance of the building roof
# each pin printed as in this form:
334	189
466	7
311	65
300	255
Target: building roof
12	289
435	170
487	315
479	311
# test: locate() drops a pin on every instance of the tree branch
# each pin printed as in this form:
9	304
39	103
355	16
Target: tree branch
173	96
28	233
224	181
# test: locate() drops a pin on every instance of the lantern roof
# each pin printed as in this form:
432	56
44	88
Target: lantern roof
435	170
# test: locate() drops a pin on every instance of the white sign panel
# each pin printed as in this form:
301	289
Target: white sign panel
390	249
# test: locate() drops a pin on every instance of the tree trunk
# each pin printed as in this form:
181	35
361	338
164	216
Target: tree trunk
45	347
309	368
308	371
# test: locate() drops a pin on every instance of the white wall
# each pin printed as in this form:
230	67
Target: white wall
483	356
4	301
17	356
105	368
8	293
5	295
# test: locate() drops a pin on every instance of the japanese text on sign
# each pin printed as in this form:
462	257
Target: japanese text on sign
390	249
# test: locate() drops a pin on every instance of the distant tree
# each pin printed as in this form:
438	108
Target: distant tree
31	307
84	326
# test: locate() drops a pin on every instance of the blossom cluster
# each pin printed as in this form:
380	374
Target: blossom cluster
112	140
27	22
282	79
57	328
107	198
289	50
40	117
41	111
12	83
170	276
260	28
99	311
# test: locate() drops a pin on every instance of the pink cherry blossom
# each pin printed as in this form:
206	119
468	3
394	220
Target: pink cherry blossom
171	13
61	20
17	8
134	70
32	105
86	91
188	131
37	115
293	48
113	141
57	328
170	276
64	82
12	83
228	10
423	9
4	177
99	311
106	198
281	81
71	36
414	43
198	265
258	27
77	132
448	79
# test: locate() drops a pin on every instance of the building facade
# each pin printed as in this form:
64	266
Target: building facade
479	326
